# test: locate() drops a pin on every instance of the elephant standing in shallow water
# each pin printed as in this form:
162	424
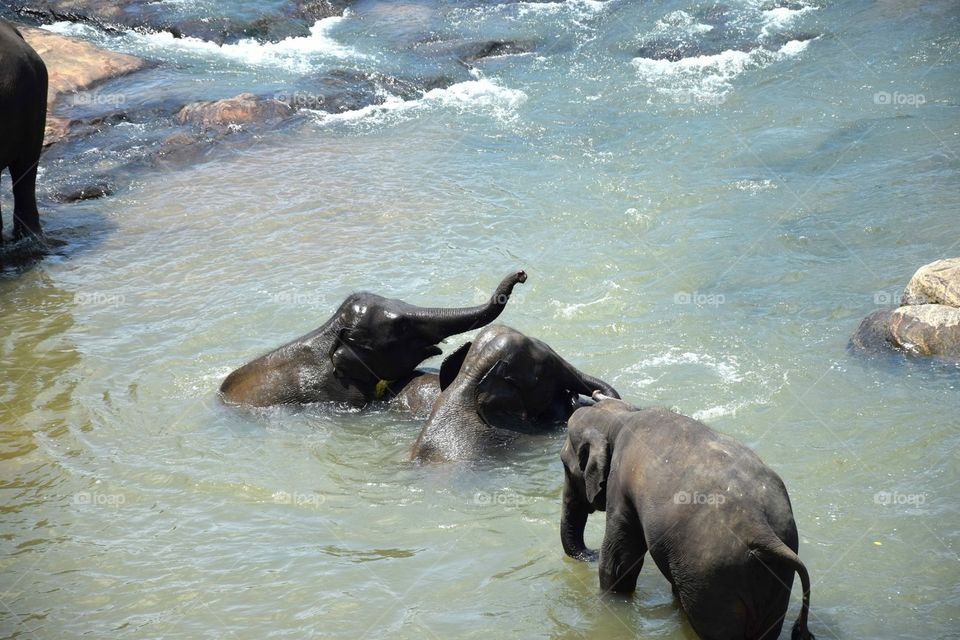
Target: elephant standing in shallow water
716	520
23	115
367	351
502	384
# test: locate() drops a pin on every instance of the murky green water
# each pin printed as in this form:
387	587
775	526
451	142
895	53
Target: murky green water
711	255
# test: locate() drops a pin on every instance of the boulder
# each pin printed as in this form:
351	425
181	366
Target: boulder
74	65
928	321
873	334
935	283
927	329
245	108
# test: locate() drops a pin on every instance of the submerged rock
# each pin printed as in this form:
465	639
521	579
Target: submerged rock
72	66
928	321
245	108
472	51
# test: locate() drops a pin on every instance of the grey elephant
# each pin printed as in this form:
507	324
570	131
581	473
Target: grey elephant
368	350
23	115
716	520
502	384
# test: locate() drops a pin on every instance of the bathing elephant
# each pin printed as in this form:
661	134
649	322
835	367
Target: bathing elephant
716	520
23	115
366	351
502	384
418	395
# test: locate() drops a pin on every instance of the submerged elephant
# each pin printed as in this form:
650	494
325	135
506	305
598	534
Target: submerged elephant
366	351
715	519
502	384
23	115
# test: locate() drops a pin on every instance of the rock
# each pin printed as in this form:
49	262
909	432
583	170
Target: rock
935	283
471	51
74	65
873	334
927	329
245	108
928	321
86	192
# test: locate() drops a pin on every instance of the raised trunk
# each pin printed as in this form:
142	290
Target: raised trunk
451	321
573	521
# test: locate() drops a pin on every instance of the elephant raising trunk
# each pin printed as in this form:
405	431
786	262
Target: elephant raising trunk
369	347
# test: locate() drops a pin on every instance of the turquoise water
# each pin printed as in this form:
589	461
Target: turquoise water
704	233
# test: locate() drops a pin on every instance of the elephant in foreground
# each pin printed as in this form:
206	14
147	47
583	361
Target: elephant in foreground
502	384
716	521
368	350
23	115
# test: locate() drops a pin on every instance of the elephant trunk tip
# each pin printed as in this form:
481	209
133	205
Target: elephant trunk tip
521	276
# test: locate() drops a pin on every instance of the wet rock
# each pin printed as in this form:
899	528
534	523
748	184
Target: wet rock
243	109
928	321
935	283
472	51
873	334
86	192
72	66
343	90
927	329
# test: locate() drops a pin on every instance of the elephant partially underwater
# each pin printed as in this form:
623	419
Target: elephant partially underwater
368	350
715	519
502	384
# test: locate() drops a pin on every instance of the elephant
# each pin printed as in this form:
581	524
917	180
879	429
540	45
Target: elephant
716	520
502	384
23	115
368	350
417	397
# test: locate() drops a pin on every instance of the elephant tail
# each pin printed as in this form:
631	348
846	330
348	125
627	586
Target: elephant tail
777	551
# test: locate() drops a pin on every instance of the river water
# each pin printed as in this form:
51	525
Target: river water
703	232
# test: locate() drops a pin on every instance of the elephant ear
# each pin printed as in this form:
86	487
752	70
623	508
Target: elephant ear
452	364
594	462
499	401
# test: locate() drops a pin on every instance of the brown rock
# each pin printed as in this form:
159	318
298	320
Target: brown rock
935	283
245	108
873	334
74	65
927	329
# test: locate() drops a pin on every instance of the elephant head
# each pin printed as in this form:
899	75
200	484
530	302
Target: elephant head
586	455
501	384
368	343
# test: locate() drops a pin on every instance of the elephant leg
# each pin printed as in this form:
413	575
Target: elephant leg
621	555
26	218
